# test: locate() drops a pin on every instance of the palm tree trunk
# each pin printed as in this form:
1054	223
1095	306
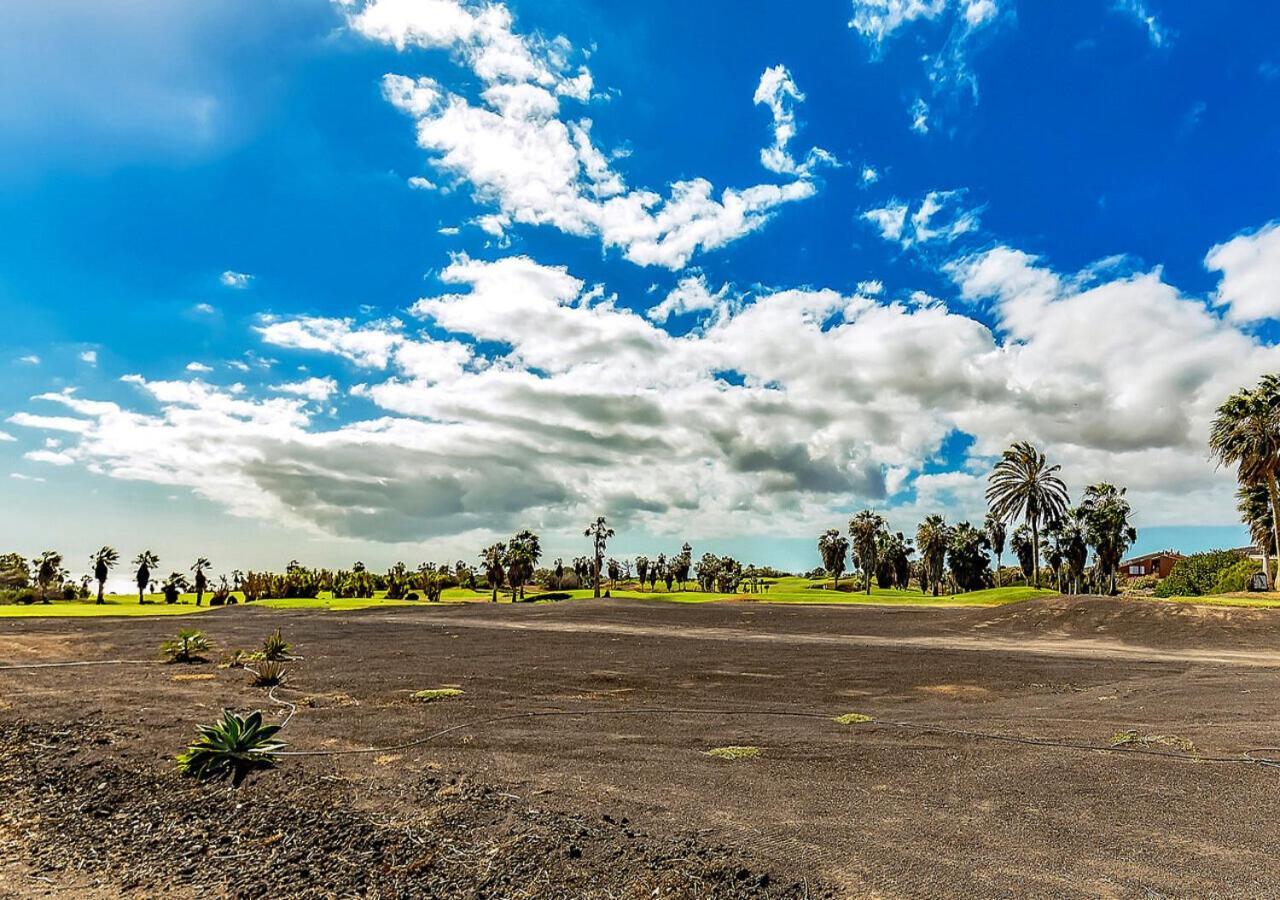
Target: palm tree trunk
596	579
1275	513
100	588
1035	552
997	570
1266	563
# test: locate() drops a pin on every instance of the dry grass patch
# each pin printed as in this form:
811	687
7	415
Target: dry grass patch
852	719
434	694
1131	738
733	752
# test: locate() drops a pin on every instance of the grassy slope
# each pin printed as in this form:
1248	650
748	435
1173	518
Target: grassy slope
1255	601
786	590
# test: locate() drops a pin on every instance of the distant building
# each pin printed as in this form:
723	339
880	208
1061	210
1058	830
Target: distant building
1157	564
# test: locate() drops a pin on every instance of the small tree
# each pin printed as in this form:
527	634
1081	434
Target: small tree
200	581
103	561
833	547
599	532
48	568
145	561
994	528
492	559
866	529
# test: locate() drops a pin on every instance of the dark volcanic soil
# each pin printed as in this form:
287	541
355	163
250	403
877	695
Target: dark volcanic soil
640	691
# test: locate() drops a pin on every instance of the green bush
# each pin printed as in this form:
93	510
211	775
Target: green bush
1236	577
232	747
187	647
1196	575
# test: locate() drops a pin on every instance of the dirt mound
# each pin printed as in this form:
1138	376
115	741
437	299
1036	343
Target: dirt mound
98	828
1132	621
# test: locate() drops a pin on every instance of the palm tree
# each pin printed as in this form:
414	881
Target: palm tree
1106	519
1020	544
145	561
1246	434
201	582
996	535
493	559
1071	535
932	539
599	532
866	528
48	568
523	552
103	561
1254	503
642	569
1024	486
833	547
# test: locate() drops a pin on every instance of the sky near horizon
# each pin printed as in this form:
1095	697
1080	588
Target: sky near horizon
391	279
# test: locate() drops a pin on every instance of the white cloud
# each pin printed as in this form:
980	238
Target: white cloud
6	437
315	389
777	90
449	230
52	457
90	357
920	116
534	165
418	183
199	367
207	309
939	216
18	476
238	280
779	411
870	175
30	359
1250	267
954	26
1157	34
690	295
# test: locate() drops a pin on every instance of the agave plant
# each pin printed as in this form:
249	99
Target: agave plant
232	747
274	647
187	647
268	674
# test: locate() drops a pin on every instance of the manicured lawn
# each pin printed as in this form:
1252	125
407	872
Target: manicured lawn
785	590
1255	601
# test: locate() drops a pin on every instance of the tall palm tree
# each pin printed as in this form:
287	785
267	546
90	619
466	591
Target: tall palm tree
1246	434
599	532
1254	504
994	528
1106	520
1023	485
932	539
523	552
865	529
103	561
201	582
145	561
493	558
48	568
833	547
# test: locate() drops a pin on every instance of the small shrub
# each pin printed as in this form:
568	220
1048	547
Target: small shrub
1196	575
412	595
434	694
187	647
235	659
852	719
268	674
1130	737
274	647
552	597
734	752
1236	577
231	747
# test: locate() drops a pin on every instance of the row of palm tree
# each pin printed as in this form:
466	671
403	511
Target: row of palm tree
1245	433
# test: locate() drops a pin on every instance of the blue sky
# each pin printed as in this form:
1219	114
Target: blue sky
982	221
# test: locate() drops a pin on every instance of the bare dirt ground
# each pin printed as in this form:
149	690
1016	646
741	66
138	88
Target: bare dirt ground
613	794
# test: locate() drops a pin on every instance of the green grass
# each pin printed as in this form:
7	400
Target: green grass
784	590
852	719
1251	601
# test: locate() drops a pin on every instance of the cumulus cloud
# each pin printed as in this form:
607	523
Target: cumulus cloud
30	359
6	437
238	280
521	395
89	356
199	368
317	390
1250	267
522	155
